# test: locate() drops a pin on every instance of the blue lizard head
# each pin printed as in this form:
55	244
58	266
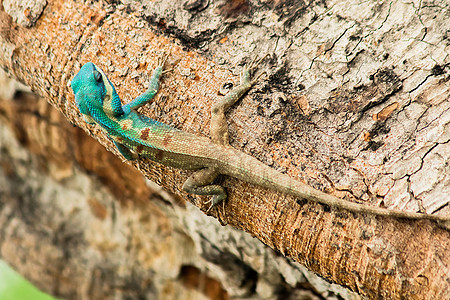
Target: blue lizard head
95	95
89	89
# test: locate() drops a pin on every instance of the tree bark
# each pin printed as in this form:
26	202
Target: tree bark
355	103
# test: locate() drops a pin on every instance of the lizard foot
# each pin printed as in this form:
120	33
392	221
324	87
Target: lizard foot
215	199
162	61
248	70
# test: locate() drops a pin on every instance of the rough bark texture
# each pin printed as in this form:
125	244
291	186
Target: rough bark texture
355	104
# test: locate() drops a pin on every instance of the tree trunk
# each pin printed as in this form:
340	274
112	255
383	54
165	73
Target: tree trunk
355	103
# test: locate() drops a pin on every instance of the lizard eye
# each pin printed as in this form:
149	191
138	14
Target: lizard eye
97	76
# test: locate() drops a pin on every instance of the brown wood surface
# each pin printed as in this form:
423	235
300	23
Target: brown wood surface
338	135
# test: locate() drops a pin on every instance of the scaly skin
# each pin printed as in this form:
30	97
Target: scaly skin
135	134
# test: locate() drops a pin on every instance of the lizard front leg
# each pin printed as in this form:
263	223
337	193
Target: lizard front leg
200	182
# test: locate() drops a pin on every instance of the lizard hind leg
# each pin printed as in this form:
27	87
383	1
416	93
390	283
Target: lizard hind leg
199	183
127	154
125	151
219	126
246	75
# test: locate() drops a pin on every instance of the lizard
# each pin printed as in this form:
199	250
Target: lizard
135	135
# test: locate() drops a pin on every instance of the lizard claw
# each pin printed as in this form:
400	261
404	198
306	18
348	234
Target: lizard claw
215	199
211	200
255	63
246	72
211	206
258	76
162	61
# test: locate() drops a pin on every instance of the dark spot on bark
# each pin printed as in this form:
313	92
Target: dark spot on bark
343	214
260	111
354	37
280	80
301	202
374	146
338	224
437	70
380	128
162	23
326	207
349	159
365	235
234	8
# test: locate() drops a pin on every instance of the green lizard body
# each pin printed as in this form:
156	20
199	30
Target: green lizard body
134	133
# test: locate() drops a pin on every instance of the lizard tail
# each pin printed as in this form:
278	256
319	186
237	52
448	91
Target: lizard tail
251	170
